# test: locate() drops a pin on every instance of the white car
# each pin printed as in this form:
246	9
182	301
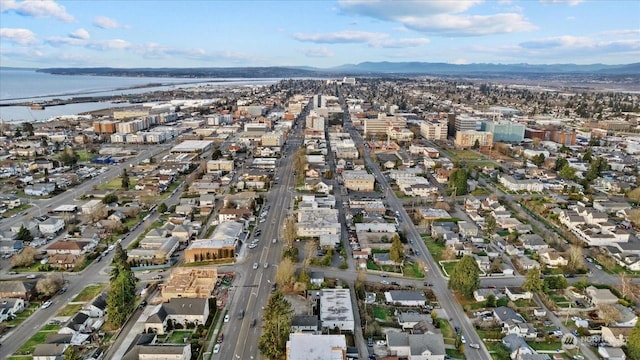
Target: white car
274	240
474	346
462	340
226	318
216	349
46	304
255	266
266	265
31	276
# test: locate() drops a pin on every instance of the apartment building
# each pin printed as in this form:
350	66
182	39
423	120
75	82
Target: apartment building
434	130
469	138
358	180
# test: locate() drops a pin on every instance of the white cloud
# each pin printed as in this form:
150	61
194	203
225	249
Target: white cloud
439	17
341	37
157	51
104	22
80	34
318	52
558	42
18	36
460	61
36	8
400	43
570	2
114	44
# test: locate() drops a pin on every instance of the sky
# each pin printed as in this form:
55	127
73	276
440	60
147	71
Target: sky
324	34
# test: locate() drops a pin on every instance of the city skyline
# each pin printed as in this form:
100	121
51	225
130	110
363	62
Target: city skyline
321	34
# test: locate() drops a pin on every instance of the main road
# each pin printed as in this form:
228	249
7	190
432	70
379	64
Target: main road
445	297
250	294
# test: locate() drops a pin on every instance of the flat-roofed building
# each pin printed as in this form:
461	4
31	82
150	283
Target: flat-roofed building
434	130
190	283
272	139
222	244
470	138
304	346
319	221
336	310
358	180
219	165
193	146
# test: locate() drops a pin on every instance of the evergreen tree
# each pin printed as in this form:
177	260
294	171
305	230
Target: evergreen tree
125	179
633	342
121	299
458	182
465	276
490	224
24	234
276	326
567	172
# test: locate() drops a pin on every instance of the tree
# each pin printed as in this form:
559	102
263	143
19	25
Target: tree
50	285
567	172
162	208
634	195
476	144
555	282
125	179
121	298
532	282
285	276
576	258
68	157
110	198
276	326
396	253
25	258
309	249
289	232
491	301
458	182
560	163
27	128
490	224
24	234
633	342
608	313
465	276
72	353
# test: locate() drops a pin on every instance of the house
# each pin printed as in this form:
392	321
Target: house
302	323
305	346
63	261
427	346
10	307
96	308
600	296
628	317
533	242
145	347
552	258
467	229
481	295
409	319
79	323
516	293
316	278
51	226
40	189
17	289
178	310
611	353
517	346
405	297
69	247
513	323
49	351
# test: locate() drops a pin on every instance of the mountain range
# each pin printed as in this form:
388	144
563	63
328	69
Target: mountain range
361	69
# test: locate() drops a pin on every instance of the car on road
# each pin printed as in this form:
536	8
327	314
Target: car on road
255	266
274	240
266	265
384	282
216	349
226	318
383	275
31	276
253	323
241	315
46	304
462	339
220	338
474	346
157	277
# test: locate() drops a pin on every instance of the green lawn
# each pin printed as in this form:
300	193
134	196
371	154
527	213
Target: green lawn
453	354
88	293
434	248
448	266
70	310
382	313
16	210
414	270
23	315
177	337
116	184
465	155
38	338
545	346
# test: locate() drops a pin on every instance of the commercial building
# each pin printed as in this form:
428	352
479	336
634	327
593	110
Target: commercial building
190	283
222	244
358	180
315	222
272	139
336	309
506	131
304	346
379	126
465	123
471	138
219	165
193	146
434	130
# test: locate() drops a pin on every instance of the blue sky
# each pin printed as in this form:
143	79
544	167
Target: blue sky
207	33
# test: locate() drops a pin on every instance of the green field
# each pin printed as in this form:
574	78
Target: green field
177	337
88	293
70	310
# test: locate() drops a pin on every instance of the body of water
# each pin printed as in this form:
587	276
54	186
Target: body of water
25	85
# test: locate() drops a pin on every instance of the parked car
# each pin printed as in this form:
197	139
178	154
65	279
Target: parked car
220	338
216	349
255	266
226	318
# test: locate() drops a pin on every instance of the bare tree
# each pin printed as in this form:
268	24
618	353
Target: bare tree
634	216
289	232
50	285
608	313
576	258
628	288
448	254
285	276
309	249
25	258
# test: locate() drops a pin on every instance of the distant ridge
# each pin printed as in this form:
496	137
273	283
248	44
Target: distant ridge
364	68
